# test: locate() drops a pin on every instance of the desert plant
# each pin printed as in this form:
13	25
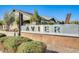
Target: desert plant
31	47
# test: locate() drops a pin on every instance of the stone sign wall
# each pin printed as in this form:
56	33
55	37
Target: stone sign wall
60	38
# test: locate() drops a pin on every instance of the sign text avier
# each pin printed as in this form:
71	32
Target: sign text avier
45	29
50	29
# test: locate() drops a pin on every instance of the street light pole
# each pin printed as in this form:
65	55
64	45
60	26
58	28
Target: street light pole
20	22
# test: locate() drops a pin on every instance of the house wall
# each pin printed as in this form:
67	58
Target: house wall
1	27
56	43
26	16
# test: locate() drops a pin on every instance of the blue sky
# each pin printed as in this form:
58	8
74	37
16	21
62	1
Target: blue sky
57	11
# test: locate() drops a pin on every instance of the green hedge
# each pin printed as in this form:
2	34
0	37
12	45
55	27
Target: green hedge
31	47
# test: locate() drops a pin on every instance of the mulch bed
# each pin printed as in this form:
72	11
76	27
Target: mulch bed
1	47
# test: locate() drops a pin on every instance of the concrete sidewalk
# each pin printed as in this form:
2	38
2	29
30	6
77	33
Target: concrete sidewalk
9	33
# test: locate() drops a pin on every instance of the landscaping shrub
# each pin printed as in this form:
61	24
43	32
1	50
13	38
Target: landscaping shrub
1	43
2	39
11	43
2	35
21	40
21	45
31	47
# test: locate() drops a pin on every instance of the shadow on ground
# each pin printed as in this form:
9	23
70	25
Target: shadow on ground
49	51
